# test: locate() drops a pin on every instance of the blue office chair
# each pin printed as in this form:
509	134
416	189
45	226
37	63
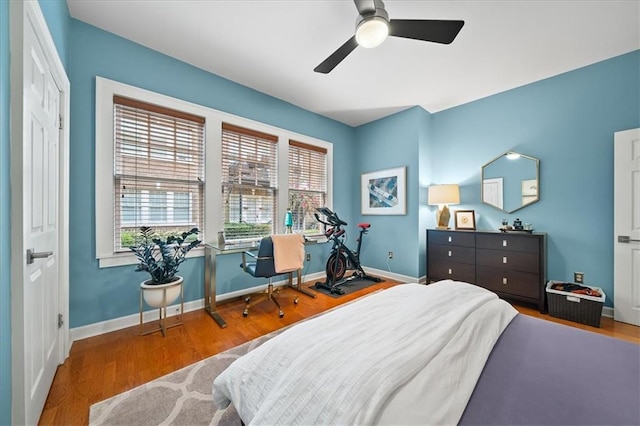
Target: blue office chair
262	266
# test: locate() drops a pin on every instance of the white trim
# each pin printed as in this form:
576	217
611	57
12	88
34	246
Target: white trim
105	89
392	275
115	324
21	13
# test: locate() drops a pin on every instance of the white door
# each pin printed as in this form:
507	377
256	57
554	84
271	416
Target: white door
492	192
38	345
626	300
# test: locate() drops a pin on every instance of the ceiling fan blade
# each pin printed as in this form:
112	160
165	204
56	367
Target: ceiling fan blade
336	57
437	31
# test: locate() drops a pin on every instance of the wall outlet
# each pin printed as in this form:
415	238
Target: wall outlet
578	277
390	255
308	257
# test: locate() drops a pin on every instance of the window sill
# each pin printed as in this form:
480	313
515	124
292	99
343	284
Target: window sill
121	259
317	239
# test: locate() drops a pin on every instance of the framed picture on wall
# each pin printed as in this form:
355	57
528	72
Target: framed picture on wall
384	192
465	219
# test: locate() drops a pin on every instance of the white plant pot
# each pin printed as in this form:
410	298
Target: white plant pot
154	295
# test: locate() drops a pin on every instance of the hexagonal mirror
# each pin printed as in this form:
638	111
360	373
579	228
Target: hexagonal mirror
511	181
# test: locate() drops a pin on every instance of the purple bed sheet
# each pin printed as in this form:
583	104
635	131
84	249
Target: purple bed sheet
543	373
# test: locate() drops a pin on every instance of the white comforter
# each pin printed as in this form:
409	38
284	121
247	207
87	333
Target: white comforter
350	365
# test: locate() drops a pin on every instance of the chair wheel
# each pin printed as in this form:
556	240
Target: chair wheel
245	313
281	314
296	300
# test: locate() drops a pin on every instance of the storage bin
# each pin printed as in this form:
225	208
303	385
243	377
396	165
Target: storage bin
575	307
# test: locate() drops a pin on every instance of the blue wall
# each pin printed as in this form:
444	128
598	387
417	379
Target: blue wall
387	143
5	224
103	294
567	122
427	150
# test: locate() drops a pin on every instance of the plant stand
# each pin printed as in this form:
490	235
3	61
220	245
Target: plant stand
162	306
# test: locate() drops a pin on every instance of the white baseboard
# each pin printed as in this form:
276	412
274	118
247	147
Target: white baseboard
108	326
115	324
392	275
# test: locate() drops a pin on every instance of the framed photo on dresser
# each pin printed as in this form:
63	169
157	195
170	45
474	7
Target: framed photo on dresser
465	219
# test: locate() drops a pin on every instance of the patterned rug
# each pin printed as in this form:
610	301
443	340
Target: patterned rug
182	397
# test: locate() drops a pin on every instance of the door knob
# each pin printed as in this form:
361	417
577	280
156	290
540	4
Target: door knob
37	255
626	239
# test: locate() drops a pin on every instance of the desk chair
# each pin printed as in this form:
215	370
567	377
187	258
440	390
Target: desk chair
262	265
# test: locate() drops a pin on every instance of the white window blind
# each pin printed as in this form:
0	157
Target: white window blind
249	183
307	185
158	170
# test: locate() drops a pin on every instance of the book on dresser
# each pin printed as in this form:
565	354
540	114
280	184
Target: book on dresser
509	264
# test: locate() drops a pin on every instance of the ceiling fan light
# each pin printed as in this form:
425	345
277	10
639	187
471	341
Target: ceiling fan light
372	32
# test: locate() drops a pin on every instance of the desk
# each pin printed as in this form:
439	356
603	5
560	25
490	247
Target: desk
211	251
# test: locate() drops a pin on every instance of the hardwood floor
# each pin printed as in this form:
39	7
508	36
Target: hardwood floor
106	365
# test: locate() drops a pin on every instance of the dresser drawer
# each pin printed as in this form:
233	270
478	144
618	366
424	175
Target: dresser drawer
523	243
452	238
452	254
516	283
451	271
513	260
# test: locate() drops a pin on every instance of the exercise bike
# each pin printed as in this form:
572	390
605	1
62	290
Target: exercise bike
341	258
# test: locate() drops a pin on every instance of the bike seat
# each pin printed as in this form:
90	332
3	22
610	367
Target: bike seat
364	225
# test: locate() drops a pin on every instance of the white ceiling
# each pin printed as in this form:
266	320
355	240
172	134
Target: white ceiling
273	47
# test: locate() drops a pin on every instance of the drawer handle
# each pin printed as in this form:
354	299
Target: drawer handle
504	281
449	238
504	243
449	253
450	271
504	259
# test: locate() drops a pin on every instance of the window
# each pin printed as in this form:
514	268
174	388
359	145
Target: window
154	153
307	185
249	183
158	170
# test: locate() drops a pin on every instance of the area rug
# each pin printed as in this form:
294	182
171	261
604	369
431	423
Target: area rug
348	287
181	398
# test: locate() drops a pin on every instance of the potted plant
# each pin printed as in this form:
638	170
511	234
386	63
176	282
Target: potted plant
161	259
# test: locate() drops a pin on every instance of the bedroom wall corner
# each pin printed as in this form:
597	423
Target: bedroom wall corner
567	121
426	156
387	143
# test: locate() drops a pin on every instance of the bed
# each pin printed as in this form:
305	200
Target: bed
445	353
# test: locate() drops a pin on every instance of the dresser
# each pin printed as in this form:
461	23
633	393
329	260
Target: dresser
513	265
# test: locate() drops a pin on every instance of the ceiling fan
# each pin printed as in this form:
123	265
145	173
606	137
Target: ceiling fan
373	26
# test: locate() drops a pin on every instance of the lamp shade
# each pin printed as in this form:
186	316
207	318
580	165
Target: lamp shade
444	194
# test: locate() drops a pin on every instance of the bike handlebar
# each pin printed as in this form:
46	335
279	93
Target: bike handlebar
332	217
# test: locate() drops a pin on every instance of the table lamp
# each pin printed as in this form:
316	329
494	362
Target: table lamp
442	196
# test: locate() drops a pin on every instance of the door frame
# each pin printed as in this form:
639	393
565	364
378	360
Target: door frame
619	249
20	14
